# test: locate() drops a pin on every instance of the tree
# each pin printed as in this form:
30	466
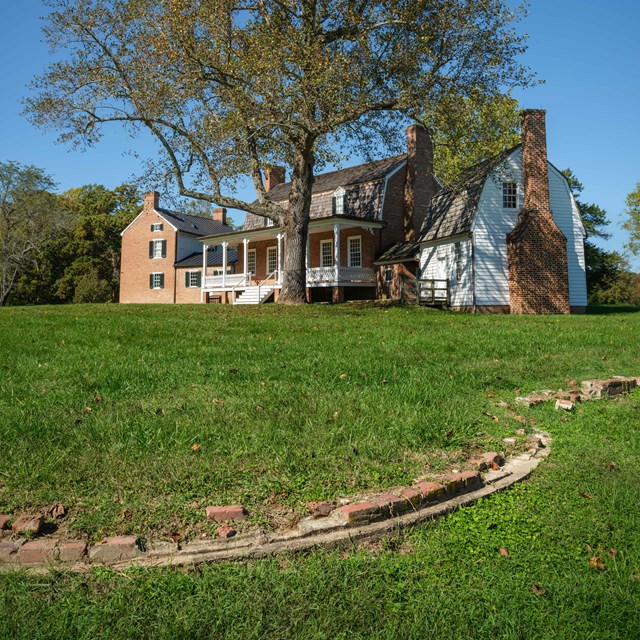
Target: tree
609	280
30	216
230	88
93	247
632	224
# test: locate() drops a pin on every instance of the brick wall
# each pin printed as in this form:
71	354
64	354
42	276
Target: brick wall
136	266
186	294
399	272
537	249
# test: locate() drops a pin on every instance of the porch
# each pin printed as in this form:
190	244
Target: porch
339	253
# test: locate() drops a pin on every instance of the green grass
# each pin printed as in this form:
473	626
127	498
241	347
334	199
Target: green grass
444	580
262	392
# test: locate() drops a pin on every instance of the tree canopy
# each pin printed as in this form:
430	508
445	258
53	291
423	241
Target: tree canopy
632	223
229	87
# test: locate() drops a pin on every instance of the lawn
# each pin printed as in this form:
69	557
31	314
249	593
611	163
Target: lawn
101	407
444	580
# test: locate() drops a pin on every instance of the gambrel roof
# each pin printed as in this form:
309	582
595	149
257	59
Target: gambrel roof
452	210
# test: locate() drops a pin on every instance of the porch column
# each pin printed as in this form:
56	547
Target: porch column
245	242
336	250
205	248
224	263
279	278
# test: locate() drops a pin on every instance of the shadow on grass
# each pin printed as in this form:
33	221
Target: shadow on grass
610	309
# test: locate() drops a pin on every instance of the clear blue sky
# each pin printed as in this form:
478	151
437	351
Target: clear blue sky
587	51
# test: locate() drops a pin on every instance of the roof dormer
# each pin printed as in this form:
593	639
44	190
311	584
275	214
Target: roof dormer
339	202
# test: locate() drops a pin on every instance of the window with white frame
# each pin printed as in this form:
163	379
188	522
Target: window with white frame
157	226
251	262
156	281
192	279
458	259
354	251
268	222
388	274
326	253
339	202
509	195
219	271
158	249
272	259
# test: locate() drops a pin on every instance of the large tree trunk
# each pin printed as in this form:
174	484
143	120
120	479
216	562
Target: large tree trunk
296	223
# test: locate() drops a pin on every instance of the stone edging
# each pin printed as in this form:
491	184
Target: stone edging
371	520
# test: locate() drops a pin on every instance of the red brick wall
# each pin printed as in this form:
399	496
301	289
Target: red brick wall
399	271
367	242
136	266
186	294
537	249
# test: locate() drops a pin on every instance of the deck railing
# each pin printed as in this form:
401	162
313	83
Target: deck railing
433	292
342	274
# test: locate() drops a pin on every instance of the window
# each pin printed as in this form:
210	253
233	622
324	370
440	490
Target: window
354	246
509	195
268	222
156	281
388	274
272	259
219	271
326	253
251	262
158	249
157	226
458	259
192	279
339	202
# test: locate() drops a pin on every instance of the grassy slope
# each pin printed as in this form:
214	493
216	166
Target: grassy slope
442	581
261	392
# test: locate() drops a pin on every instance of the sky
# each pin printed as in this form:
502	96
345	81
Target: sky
586	51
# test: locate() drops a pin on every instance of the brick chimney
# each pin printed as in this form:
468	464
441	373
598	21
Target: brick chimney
537	249
273	176
420	184
151	201
220	215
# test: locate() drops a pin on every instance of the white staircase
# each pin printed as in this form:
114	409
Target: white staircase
254	295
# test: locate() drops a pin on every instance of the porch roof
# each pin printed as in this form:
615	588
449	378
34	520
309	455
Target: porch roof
265	233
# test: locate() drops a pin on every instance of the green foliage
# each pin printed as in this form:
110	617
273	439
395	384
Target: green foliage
609	280
632	223
91	288
470	129
30	218
229	89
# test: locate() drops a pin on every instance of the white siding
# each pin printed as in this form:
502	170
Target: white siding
490	228
438	262
187	244
567	217
492	224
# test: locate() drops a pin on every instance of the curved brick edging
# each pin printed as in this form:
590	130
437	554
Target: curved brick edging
345	526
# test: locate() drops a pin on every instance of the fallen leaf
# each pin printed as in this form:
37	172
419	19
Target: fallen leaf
584	494
489	415
503	552
613	552
519	419
195	447
343	376
589	549
537	589
219	402
233	371
160	411
176	537
596	563
88	410
610	465
491	395
98	398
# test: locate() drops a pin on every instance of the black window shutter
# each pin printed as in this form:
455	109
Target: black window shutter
151	227
162	280
151	281
344	204
333	205
164	248
186	278
151	248
199	278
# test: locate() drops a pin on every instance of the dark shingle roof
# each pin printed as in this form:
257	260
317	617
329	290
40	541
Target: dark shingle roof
194	224
399	252
214	258
452	210
368	172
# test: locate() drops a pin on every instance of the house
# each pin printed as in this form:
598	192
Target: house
509	238
356	214
162	259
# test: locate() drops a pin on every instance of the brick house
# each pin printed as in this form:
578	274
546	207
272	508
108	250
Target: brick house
356	214
162	259
510	239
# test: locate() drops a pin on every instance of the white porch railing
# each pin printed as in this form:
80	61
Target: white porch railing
342	274
231	280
